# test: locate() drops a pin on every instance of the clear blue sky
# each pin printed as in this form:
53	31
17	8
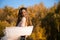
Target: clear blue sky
26	3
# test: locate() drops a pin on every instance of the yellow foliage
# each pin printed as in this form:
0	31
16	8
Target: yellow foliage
38	12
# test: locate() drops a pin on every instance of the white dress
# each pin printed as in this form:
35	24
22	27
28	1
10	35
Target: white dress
22	23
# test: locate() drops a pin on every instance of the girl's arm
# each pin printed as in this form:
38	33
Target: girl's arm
22	22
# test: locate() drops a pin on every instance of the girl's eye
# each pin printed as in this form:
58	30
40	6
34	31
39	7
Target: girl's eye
24	12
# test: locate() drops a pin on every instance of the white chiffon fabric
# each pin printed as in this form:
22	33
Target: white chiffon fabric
14	33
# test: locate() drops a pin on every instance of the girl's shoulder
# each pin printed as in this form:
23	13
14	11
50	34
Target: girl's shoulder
23	18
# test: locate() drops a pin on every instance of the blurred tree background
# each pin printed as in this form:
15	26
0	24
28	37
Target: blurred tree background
46	21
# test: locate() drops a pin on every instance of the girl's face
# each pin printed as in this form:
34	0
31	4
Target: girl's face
24	12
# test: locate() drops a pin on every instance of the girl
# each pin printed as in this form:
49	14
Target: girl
23	19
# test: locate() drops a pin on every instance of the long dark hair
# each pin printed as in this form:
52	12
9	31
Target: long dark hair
20	15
